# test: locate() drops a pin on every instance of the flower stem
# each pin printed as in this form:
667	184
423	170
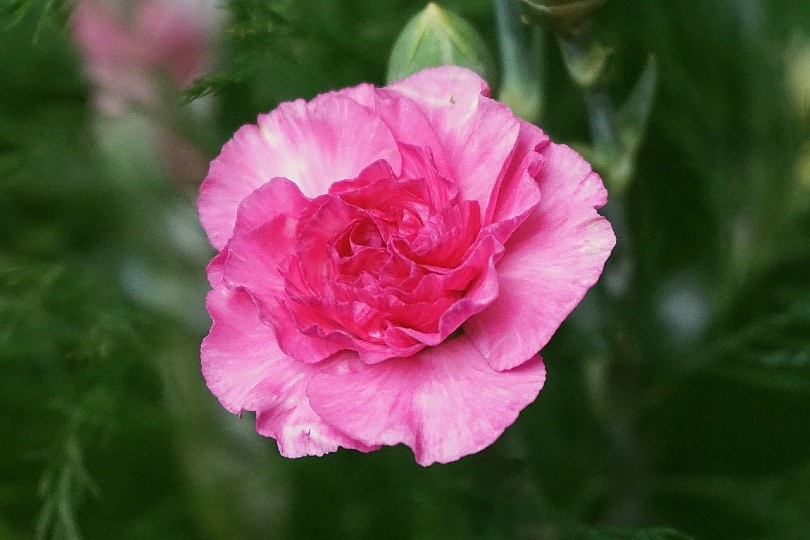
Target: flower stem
621	379
586	62
521	61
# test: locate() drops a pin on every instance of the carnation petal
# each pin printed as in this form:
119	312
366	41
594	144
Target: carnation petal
244	367
549	263
240	168
264	239
517	193
279	196
478	296
444	402
313	144
254	263
216	269
478	134
405	118
328	139
443	85
264	236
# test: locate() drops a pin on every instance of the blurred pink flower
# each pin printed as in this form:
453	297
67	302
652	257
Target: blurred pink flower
391	261
132	48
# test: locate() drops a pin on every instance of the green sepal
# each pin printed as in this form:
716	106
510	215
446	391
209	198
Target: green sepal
616	160
567	17
587	67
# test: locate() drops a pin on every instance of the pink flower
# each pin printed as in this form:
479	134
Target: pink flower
391	261
140	54
132	48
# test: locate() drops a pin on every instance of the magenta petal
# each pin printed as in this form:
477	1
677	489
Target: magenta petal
517	193
277	197
328	139
313	144
480	148
259	254
442	86
549	263
444	402
241	167
255	263
264	237
405	118
244	367
477	134
485	290
216	269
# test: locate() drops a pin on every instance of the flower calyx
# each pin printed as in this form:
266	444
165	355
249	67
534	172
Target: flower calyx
569	18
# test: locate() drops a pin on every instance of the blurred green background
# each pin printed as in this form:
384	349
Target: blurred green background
678	393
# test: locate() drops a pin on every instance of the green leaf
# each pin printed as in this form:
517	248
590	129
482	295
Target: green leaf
12	12
436	37
631	121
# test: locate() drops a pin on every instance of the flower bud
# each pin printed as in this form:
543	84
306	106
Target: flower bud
436	37
568	17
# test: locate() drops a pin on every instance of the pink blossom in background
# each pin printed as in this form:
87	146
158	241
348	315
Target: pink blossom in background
391	260
132	48
139	54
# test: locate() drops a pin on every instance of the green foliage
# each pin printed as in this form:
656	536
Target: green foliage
677	394
255	27
56	12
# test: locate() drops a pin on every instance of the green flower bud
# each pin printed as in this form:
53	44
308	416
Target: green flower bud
436	37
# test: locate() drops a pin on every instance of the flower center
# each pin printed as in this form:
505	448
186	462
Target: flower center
381	261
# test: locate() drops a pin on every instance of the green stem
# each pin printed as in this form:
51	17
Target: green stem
600	116
586	61
601	112
521	61
511	39
620	385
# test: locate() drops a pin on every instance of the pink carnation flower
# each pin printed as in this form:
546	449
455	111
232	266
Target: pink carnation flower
391	261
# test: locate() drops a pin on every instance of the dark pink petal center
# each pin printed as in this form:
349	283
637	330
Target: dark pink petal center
380	260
